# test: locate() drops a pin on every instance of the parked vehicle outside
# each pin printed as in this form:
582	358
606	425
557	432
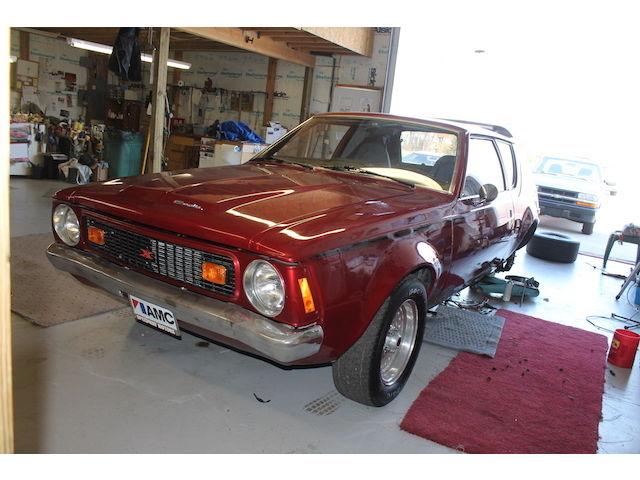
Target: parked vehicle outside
572	189
325	248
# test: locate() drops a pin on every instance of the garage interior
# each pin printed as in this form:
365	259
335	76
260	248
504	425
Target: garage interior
102	383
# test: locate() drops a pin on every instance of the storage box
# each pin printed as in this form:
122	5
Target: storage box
249	150
229	153
100	173
273	132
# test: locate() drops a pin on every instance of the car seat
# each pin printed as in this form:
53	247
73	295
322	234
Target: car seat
443	170
372	152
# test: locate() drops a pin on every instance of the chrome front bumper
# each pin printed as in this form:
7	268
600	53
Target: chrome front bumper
277	341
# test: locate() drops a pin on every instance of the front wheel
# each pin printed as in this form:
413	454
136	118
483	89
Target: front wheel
587	228
375	369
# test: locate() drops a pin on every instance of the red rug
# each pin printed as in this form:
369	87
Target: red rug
542	393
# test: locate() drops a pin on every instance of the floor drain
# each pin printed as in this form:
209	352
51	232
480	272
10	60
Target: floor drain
326	404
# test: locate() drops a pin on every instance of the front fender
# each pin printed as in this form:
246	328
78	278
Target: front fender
359	278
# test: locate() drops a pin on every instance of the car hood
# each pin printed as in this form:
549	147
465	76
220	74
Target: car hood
571	184
281	210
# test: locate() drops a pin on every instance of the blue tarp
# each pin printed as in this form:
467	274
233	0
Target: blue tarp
238	131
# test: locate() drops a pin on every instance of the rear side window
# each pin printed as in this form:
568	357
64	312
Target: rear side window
508	163
483	166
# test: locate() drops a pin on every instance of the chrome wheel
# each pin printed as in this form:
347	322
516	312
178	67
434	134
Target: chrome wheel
399	342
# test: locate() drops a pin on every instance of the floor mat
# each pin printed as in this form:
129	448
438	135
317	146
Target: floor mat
542	393
464	330
44	295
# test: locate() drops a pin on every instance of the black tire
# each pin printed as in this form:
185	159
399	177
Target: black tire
587	228
554	247
356	374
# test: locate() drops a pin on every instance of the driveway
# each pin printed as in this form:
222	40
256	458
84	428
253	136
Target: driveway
616	211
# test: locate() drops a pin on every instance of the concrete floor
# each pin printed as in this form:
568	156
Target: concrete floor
108	384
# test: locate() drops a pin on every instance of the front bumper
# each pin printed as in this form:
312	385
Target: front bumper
557	209
274	340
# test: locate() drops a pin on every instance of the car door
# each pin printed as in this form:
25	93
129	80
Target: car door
482	230
512	189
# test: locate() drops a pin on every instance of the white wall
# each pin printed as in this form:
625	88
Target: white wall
240	71
350	70
53	56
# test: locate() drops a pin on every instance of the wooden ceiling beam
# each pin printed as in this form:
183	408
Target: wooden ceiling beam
280	37
249	41
357	39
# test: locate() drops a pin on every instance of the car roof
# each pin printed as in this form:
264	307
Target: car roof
462	126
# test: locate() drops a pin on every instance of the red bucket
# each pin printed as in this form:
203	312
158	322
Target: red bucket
623	348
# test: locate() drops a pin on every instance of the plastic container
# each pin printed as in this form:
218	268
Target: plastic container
623	348
123	153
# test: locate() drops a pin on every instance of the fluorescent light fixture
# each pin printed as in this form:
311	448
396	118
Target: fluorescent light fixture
100	48
145	57
92	46
13	59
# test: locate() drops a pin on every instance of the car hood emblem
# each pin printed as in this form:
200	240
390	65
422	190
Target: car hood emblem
188	205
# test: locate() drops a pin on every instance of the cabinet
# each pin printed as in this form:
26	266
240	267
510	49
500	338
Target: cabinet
182	151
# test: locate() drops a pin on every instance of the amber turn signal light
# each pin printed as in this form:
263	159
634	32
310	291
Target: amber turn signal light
95	235
307	298
214	273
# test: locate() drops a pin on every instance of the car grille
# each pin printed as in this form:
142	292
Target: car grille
162	258
552	192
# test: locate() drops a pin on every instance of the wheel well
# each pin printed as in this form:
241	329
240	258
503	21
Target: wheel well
425	274
529	235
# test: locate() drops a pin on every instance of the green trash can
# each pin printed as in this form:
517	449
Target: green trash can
123	153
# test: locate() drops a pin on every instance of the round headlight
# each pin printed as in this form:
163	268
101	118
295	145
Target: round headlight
264	287
66	225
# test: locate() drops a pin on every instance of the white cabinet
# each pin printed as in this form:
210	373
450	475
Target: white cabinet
24	148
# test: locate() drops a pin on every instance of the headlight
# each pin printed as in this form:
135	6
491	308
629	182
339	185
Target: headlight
264	287
66	225
589	197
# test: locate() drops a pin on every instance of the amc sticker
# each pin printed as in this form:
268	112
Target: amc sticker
154	315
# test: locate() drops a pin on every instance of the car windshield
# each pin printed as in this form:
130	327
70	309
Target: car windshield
570	168
414	154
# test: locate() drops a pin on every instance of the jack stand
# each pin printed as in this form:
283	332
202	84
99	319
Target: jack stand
631	278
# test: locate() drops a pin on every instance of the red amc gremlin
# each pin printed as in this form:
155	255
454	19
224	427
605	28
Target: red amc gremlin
329	246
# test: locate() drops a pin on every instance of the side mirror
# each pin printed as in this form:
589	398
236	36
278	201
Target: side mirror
609	183
488	193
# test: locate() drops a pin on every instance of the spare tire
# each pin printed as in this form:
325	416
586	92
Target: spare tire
554	247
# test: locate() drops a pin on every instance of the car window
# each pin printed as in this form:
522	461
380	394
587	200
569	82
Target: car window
420	155
426	148
508	163
570	168
483	166
319	144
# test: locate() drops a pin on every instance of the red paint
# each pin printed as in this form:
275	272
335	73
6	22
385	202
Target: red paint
542	393
353	236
